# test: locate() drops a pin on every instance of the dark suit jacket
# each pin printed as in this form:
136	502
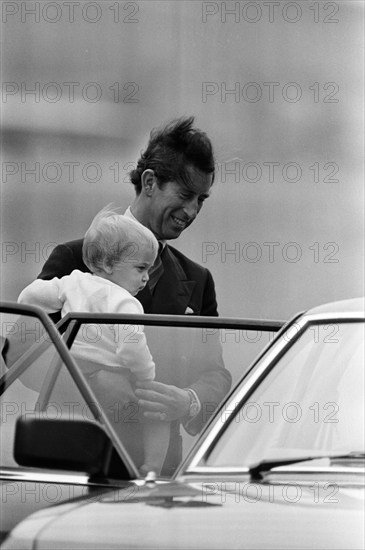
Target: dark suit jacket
183	284
183	360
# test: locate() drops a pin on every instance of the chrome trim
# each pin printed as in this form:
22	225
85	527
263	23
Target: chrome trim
277	471
9	474
216	470
352	316
314	469
194	321
62	478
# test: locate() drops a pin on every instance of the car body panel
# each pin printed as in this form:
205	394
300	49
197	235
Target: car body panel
354	305
202	515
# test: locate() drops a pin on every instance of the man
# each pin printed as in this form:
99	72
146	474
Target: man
172	180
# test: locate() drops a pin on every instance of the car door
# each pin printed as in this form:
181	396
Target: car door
24	394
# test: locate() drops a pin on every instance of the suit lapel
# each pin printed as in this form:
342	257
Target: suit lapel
145	297
173	291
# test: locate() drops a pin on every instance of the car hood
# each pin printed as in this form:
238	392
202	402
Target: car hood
187	516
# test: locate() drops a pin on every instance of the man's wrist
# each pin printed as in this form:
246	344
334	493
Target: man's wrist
194	405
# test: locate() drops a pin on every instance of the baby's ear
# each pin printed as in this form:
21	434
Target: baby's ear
107	268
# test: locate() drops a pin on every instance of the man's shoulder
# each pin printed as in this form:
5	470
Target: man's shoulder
70	249
63	259
73	245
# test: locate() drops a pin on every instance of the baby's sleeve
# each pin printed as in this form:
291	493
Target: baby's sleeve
135	354
132	347
44	294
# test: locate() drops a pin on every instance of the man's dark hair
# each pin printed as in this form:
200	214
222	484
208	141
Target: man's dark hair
171	150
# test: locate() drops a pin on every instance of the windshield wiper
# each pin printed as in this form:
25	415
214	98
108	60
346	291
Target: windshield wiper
257	470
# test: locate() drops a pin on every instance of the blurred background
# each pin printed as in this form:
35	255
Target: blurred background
278	87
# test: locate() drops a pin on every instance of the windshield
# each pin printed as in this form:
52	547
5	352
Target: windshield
310	404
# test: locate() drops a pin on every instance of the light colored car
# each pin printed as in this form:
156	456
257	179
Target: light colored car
279	465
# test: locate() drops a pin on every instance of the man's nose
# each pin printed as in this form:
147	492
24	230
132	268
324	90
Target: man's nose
191	208
146	276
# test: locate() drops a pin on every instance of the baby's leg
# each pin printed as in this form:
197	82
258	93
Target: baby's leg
156	438
116	396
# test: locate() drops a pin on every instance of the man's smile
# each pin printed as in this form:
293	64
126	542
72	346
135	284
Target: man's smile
179	221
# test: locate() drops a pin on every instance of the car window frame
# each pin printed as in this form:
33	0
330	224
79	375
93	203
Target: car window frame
69	362
62	336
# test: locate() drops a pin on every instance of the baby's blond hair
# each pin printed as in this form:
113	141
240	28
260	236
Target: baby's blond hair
113	238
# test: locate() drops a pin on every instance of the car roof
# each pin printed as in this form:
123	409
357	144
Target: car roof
354	305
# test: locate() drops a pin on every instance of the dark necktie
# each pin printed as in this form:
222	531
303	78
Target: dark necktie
156	270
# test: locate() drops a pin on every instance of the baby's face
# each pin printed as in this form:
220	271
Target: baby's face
132	273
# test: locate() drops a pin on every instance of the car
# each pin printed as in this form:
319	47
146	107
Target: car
279	463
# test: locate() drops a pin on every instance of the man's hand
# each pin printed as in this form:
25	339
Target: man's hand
161	401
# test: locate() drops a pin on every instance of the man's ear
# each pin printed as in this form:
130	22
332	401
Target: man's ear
148	179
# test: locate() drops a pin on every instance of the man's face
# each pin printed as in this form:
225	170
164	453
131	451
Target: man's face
175	205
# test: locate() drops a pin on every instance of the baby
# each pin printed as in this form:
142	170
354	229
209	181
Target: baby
119	252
